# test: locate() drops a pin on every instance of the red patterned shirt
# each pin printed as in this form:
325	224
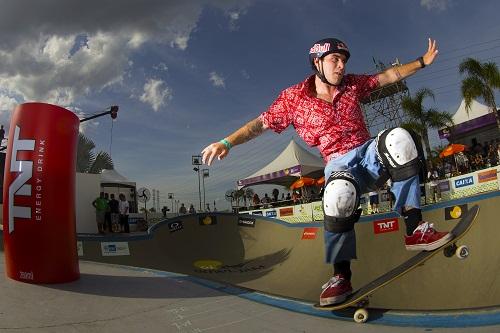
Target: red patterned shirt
336	127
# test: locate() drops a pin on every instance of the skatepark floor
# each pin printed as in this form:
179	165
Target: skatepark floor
111	298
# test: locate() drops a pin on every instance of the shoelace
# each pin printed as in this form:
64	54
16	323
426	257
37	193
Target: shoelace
332	282
424	227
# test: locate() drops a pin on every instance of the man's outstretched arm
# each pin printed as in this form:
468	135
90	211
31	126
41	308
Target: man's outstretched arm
220	149
397	73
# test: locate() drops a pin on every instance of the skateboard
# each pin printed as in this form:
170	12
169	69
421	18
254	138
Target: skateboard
359	298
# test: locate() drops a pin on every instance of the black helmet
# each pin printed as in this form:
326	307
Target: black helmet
324	47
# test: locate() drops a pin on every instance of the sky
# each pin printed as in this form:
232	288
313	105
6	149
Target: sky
188	73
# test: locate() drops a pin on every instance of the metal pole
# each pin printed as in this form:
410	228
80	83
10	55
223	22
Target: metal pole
204	203
199	189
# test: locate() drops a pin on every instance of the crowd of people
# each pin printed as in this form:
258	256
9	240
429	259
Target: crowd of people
111	214
479	156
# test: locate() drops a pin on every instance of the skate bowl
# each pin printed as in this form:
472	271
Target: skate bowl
287	259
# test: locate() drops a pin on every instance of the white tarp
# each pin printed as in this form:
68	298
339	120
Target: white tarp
477	110
291	163
113	177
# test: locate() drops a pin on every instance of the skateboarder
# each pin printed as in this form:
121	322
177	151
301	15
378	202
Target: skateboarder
325	111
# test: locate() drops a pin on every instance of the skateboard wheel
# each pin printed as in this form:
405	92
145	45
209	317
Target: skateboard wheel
361	316
462	252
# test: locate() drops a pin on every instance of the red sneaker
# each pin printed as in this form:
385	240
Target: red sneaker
335	291
426	238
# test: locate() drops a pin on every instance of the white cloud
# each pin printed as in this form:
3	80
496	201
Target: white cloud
234	16
41	60
217	80
156	94
7	103
439	5
162	67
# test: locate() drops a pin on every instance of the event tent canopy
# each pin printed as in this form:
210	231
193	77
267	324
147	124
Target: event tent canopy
291	163
464	121
111	178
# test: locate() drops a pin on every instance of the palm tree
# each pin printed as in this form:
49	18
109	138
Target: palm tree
87	161
421	119
481	81
230	196
248	195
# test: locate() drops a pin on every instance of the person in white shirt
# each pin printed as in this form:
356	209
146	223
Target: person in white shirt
123	209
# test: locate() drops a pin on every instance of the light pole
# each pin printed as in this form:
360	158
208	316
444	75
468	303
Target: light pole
196	160
171	197
205	175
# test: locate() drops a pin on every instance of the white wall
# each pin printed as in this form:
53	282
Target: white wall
88	187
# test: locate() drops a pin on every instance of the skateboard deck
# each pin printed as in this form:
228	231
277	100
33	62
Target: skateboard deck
362	293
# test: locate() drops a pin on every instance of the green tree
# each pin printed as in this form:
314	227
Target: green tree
421	119
481	81
89	162
248	196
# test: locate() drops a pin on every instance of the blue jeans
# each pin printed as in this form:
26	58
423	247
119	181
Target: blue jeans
363	164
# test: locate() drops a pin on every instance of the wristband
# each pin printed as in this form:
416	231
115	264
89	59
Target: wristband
421	61
226	143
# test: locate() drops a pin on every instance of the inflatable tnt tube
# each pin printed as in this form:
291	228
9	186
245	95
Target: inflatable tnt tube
39	195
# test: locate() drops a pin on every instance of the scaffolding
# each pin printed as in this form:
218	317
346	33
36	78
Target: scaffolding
382	109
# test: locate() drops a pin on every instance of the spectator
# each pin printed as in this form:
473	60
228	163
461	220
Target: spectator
115	213
123	208
288	196
191	209
434	190
101	205
182	209
275	193
107	215
374	201
296	196
208	207
256	200
164	211
265	201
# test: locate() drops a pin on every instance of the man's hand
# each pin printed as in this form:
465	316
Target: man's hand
431	53
215	149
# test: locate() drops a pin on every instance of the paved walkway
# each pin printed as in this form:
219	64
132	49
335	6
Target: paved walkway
111	298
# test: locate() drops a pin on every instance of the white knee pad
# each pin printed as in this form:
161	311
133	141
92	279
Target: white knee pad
341	202
400	152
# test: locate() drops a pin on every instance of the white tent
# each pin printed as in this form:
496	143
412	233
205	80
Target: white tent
291	163
478	117
112	177
477	110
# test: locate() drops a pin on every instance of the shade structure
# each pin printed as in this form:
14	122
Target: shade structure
452	149
301	182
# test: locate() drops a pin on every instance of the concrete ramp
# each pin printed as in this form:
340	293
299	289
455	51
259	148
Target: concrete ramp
284	259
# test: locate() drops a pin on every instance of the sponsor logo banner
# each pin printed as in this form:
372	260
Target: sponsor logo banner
444	186
455	212
271	213
309	233
246	222
257	212
386	225
208	220
110	249
286	211
462	182
175	226
487	176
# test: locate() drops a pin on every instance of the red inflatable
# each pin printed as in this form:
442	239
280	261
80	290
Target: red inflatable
39	195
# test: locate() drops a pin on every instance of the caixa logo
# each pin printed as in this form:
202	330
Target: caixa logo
24	170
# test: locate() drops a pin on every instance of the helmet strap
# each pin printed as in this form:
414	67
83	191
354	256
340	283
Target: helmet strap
320	73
